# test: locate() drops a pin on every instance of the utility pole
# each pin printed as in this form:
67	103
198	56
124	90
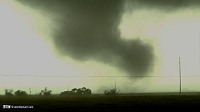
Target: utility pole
180	74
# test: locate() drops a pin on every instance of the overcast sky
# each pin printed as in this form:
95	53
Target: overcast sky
64	44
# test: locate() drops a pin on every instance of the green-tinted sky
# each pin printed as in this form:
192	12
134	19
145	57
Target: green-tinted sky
136	42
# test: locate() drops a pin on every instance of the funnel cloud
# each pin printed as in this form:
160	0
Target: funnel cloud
88	30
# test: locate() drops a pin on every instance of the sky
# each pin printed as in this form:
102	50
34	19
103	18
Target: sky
65	44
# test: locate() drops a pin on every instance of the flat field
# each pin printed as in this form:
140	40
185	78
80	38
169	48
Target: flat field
100	103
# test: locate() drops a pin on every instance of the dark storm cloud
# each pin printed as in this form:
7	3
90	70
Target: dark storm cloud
88	29
168	2
165	5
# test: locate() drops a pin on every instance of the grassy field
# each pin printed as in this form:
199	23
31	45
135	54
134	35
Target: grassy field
124	102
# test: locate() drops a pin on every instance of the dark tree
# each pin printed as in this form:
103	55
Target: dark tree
8	92
74	91
20	93
88	92
84	91
79	91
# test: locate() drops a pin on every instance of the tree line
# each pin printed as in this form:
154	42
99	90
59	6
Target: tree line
46	92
